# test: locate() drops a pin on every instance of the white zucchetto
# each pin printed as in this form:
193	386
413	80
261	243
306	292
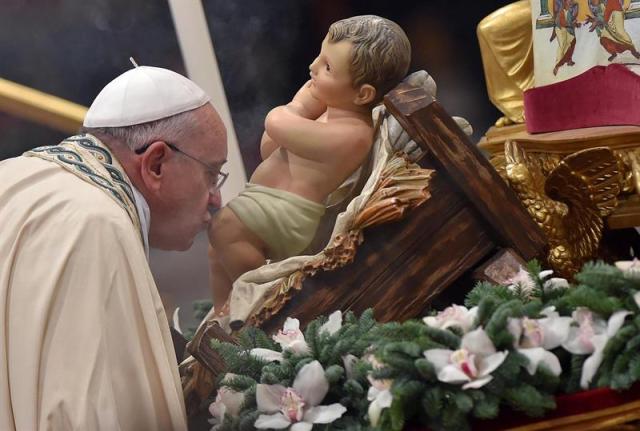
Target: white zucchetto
141	95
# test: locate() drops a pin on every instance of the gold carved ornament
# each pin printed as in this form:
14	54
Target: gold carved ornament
570	203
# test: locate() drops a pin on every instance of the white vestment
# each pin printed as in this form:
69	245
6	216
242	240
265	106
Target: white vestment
84	339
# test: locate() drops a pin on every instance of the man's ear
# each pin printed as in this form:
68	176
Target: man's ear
152	163
366	94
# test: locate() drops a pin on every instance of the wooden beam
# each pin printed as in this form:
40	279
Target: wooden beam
432	128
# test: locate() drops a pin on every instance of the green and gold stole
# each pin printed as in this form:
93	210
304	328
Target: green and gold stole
89	159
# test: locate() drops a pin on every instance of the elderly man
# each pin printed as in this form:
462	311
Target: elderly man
84	340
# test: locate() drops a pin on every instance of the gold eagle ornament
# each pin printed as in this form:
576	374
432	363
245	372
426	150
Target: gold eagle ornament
570	203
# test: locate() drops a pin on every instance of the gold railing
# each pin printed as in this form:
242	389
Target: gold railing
41	108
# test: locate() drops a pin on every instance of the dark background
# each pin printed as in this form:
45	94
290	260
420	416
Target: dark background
72	48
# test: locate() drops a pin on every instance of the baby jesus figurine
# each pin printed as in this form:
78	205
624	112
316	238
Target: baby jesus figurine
309	148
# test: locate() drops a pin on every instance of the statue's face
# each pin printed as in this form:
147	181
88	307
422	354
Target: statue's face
330	77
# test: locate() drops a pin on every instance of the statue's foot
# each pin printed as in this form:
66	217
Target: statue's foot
571	63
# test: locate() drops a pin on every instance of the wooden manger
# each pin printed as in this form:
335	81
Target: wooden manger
471	217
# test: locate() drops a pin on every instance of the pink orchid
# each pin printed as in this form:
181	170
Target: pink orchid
298	406
379	392
333	323
290	337
455	315
470	365
534	338
630	268
227	402
591	337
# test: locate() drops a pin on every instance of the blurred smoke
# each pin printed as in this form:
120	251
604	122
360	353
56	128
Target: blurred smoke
256	42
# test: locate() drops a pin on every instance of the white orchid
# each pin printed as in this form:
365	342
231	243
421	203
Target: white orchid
630	268
636	298
471	365
379	392
290	337
534	338
227	402
552	283
349	361
333	323
455	315
298	406
266	355
591	337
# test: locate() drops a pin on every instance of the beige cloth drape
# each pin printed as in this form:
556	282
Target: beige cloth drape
84	340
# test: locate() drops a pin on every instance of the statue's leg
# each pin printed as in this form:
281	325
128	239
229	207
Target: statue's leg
234	251
219	281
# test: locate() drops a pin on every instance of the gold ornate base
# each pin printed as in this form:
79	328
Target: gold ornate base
550	148
544	153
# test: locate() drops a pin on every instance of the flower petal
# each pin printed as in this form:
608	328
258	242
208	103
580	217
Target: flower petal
452	374
539	355
291	324
628	266
544	274
555	283
232	400
373	393
301	426
217	409
299	346
431	321
266	355
438	357
487	364
636	297
550	311
349	361
589	368
575	344
333	324
275	421
555	330
478	342
374	411
311	383
616	321
324	414
268	397
385	399
623	265
514	326
477	383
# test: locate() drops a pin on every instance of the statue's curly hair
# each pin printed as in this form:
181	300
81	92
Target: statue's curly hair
381	51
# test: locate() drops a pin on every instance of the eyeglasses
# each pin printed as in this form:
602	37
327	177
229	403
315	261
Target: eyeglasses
220	177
